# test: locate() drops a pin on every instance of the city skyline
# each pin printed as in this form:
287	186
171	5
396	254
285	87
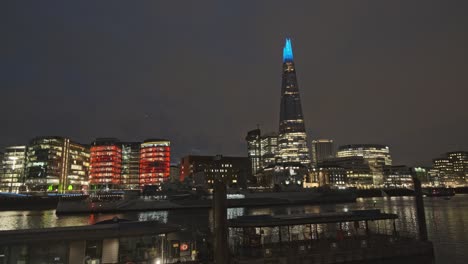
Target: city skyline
394	81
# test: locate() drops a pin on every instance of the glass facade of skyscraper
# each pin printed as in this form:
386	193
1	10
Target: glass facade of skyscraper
292	139
56	164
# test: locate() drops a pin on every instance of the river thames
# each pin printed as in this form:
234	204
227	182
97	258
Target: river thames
446	219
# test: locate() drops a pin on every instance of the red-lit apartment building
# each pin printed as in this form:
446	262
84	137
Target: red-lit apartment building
105	162
116	164
155	158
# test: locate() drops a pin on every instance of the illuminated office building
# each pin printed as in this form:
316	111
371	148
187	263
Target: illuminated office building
155	159
358	171
106	163
262	150
254	149
292	138
322	149
56	164
377	156
130	165
459	160
269	148
398	176
12	169
451	170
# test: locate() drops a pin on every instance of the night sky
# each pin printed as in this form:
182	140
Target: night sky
203	73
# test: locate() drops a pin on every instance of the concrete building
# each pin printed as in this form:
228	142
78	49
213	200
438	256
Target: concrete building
234	171
12	169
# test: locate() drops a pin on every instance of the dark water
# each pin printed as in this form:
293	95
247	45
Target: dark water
446	219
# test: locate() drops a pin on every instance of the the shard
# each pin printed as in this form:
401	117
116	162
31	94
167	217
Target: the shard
292	140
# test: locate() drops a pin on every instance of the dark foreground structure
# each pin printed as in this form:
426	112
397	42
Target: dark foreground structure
113	241
366	236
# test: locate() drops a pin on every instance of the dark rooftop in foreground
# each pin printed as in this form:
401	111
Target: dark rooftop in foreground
302	219
103	230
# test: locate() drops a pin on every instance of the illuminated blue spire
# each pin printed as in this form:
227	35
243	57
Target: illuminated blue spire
287	51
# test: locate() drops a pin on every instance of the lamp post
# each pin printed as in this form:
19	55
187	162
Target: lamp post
12	171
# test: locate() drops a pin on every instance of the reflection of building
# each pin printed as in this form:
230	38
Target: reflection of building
398	176
56	163
106	163
322	149
450	170
233	170
155	159
12	169
292	138
358	172
377	156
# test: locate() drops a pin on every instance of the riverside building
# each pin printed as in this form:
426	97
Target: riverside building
129	165
234	171
56	164
155	160
12	169
451	170
377	156
106	163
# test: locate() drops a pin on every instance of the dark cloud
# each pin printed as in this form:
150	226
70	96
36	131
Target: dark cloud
202	73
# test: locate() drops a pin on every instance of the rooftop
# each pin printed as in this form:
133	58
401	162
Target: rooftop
302	219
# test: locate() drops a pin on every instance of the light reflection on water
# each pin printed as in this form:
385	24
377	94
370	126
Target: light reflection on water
446	219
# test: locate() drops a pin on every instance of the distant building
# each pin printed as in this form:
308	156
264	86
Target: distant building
422	174
398	176
130	165
322	149
232	170
451	170
155	160
12	168
459	160
254	149
106	163
269	147
56	164
292	138
333	176
174	173
358	171
262	150
377	156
